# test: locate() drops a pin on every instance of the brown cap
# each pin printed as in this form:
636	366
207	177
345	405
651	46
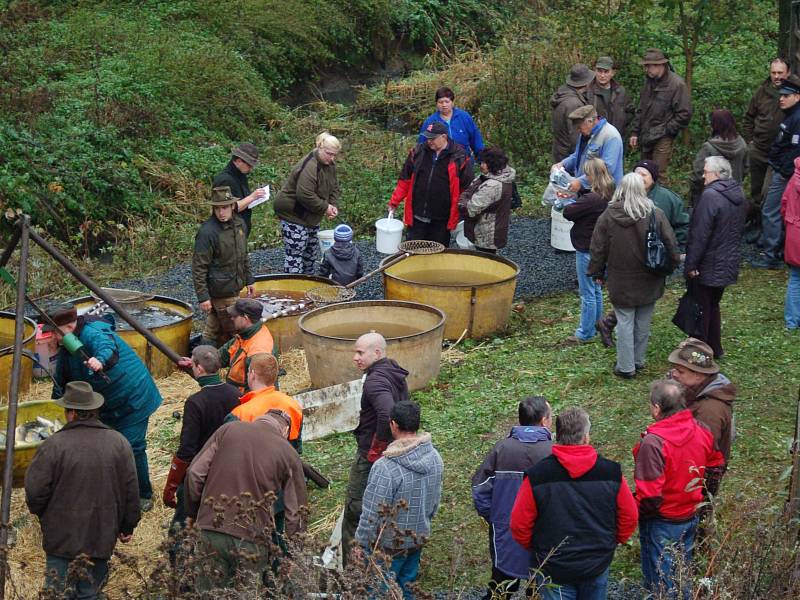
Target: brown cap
587	111
654	56
249	307
63	314
695	355
221	196
79	395
247	152
580	75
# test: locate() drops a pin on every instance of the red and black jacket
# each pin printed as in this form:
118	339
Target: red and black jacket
459	170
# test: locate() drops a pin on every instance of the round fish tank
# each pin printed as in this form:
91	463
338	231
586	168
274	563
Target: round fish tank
283	290
413	335
169	319
474	289
7	326
24	451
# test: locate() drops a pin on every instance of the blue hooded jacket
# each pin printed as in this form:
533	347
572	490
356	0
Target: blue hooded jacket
494	490
462	130
131	396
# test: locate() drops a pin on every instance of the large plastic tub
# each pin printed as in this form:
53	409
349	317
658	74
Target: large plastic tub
7	356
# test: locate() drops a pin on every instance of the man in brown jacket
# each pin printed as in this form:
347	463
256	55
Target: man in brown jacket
565	100
231	486
759	128
709	395
82	485
610	98
665	108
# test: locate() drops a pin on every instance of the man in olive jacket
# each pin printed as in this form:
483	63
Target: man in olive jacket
609	97
220	266
82	485
760	126
665	108
567	98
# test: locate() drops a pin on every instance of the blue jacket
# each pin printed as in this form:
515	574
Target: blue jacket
604	142
131	396
462	130
494	489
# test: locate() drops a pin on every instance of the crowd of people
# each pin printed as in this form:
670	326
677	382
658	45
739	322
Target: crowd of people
556	509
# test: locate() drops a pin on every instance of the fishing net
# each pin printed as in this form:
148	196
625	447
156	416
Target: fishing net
421	247
329	294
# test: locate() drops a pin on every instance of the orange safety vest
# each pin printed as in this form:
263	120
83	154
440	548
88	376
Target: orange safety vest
256	404
241	350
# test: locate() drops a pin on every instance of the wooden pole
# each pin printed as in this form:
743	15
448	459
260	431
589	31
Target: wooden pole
13	397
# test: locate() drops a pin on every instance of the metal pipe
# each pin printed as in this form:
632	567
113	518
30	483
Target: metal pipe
12	245
13	397
113	304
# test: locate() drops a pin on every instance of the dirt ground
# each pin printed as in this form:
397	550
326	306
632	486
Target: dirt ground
26	559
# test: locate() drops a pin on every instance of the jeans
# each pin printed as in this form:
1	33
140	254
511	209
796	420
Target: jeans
136	435
406	568
591	298
666	549
771	220
791	312
633	333
591	589
356	484
56	572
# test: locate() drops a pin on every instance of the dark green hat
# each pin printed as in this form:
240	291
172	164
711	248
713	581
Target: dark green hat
221	196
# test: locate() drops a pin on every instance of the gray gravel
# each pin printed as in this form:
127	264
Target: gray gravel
543	270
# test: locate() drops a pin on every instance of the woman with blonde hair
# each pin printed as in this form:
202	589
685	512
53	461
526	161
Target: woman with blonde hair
309	193
584	213
618	253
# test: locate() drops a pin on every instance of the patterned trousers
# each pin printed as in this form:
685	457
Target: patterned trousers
299	248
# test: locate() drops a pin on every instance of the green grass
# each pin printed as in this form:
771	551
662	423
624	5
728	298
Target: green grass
472	405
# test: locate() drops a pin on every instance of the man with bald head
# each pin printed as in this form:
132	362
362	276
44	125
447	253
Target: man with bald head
384	384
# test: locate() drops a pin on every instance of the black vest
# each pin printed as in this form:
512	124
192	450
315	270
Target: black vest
576	519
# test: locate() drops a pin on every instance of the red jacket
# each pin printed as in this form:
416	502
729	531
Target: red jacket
459	170
577	460
671	461
790	210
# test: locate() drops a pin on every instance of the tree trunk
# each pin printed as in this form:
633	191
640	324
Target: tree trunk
787	45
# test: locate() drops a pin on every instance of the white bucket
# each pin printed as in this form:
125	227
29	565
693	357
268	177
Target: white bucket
559	232
461	240
325	238
389	235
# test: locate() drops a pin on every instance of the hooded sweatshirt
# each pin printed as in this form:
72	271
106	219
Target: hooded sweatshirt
618	247
486	208
411	470
712	404
735	151
671	461
342	262
384	384
573	511
715	234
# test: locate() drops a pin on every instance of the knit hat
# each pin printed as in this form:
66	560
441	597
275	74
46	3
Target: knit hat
695	355
247	152
63	314
650	166
343	233
579	76
249	307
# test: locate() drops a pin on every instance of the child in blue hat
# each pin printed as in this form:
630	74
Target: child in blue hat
342	262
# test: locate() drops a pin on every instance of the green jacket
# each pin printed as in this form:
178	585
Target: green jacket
763	117
220	264
672	205
308	191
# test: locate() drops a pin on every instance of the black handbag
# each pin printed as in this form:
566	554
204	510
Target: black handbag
657	259
689	316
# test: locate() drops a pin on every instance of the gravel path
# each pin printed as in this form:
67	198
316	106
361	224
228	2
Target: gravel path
543	270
